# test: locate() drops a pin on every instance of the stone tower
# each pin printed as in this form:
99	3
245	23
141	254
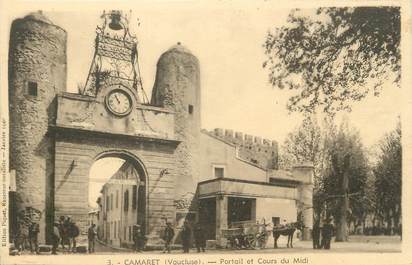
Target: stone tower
37	72
177	87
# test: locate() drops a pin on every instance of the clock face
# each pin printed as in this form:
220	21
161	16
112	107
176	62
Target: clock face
119	102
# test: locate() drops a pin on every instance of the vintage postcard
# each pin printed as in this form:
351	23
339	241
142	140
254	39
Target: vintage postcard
205	132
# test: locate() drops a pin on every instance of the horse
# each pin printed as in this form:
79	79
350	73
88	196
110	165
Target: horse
288	231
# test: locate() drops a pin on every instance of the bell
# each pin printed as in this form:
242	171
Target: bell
115	23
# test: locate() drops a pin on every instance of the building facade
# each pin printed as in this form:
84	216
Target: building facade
121	206
175	171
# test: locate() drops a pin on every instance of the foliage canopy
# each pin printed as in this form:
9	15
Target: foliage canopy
334	57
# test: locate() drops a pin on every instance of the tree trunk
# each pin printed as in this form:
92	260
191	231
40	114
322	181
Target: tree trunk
396	218
389	225
342	227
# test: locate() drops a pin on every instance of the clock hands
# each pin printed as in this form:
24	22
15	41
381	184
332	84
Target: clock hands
119	103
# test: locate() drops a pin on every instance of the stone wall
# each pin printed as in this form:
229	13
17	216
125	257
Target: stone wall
90	113
37	54
254	149
215	152
77	151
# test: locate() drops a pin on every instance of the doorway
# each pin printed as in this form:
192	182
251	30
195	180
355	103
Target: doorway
117	198
207	217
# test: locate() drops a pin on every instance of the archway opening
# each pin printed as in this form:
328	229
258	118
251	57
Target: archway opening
117	198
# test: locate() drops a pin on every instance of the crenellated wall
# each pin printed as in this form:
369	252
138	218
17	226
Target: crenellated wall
254	149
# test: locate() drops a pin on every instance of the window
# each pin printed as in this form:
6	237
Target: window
134	197
130	233
110	230
124	231
114	229
126	200
111	201
190	109
117	199
32	88
219	172
107	203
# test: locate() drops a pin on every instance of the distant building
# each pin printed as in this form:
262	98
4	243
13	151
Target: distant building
93	217
121	206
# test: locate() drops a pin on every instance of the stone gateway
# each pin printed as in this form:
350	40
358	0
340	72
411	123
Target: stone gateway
178	172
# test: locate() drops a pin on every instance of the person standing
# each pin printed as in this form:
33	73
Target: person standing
327	233
55	238
73	234
169	233
263	235
139	238
316	235
62	231
91	236
135	238
65	235
186	237
19	237
34	230
200	238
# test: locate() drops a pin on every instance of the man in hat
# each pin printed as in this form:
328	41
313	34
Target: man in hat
168	235
186	237
138	238
91	236
316	235
327	233
73	233
200	238
55	238
34	230
62	231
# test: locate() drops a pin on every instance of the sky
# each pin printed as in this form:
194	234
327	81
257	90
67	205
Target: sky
227	40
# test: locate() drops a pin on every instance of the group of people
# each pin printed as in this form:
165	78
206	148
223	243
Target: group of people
27	234
322	236
186	237
65	232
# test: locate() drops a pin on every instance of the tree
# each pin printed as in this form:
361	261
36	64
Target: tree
303	144
335	56
388	175
345	180
341	170
306	143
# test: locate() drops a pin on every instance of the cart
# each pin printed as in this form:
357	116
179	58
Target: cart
245	235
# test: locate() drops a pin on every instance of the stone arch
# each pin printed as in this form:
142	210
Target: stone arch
125	155
139	165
